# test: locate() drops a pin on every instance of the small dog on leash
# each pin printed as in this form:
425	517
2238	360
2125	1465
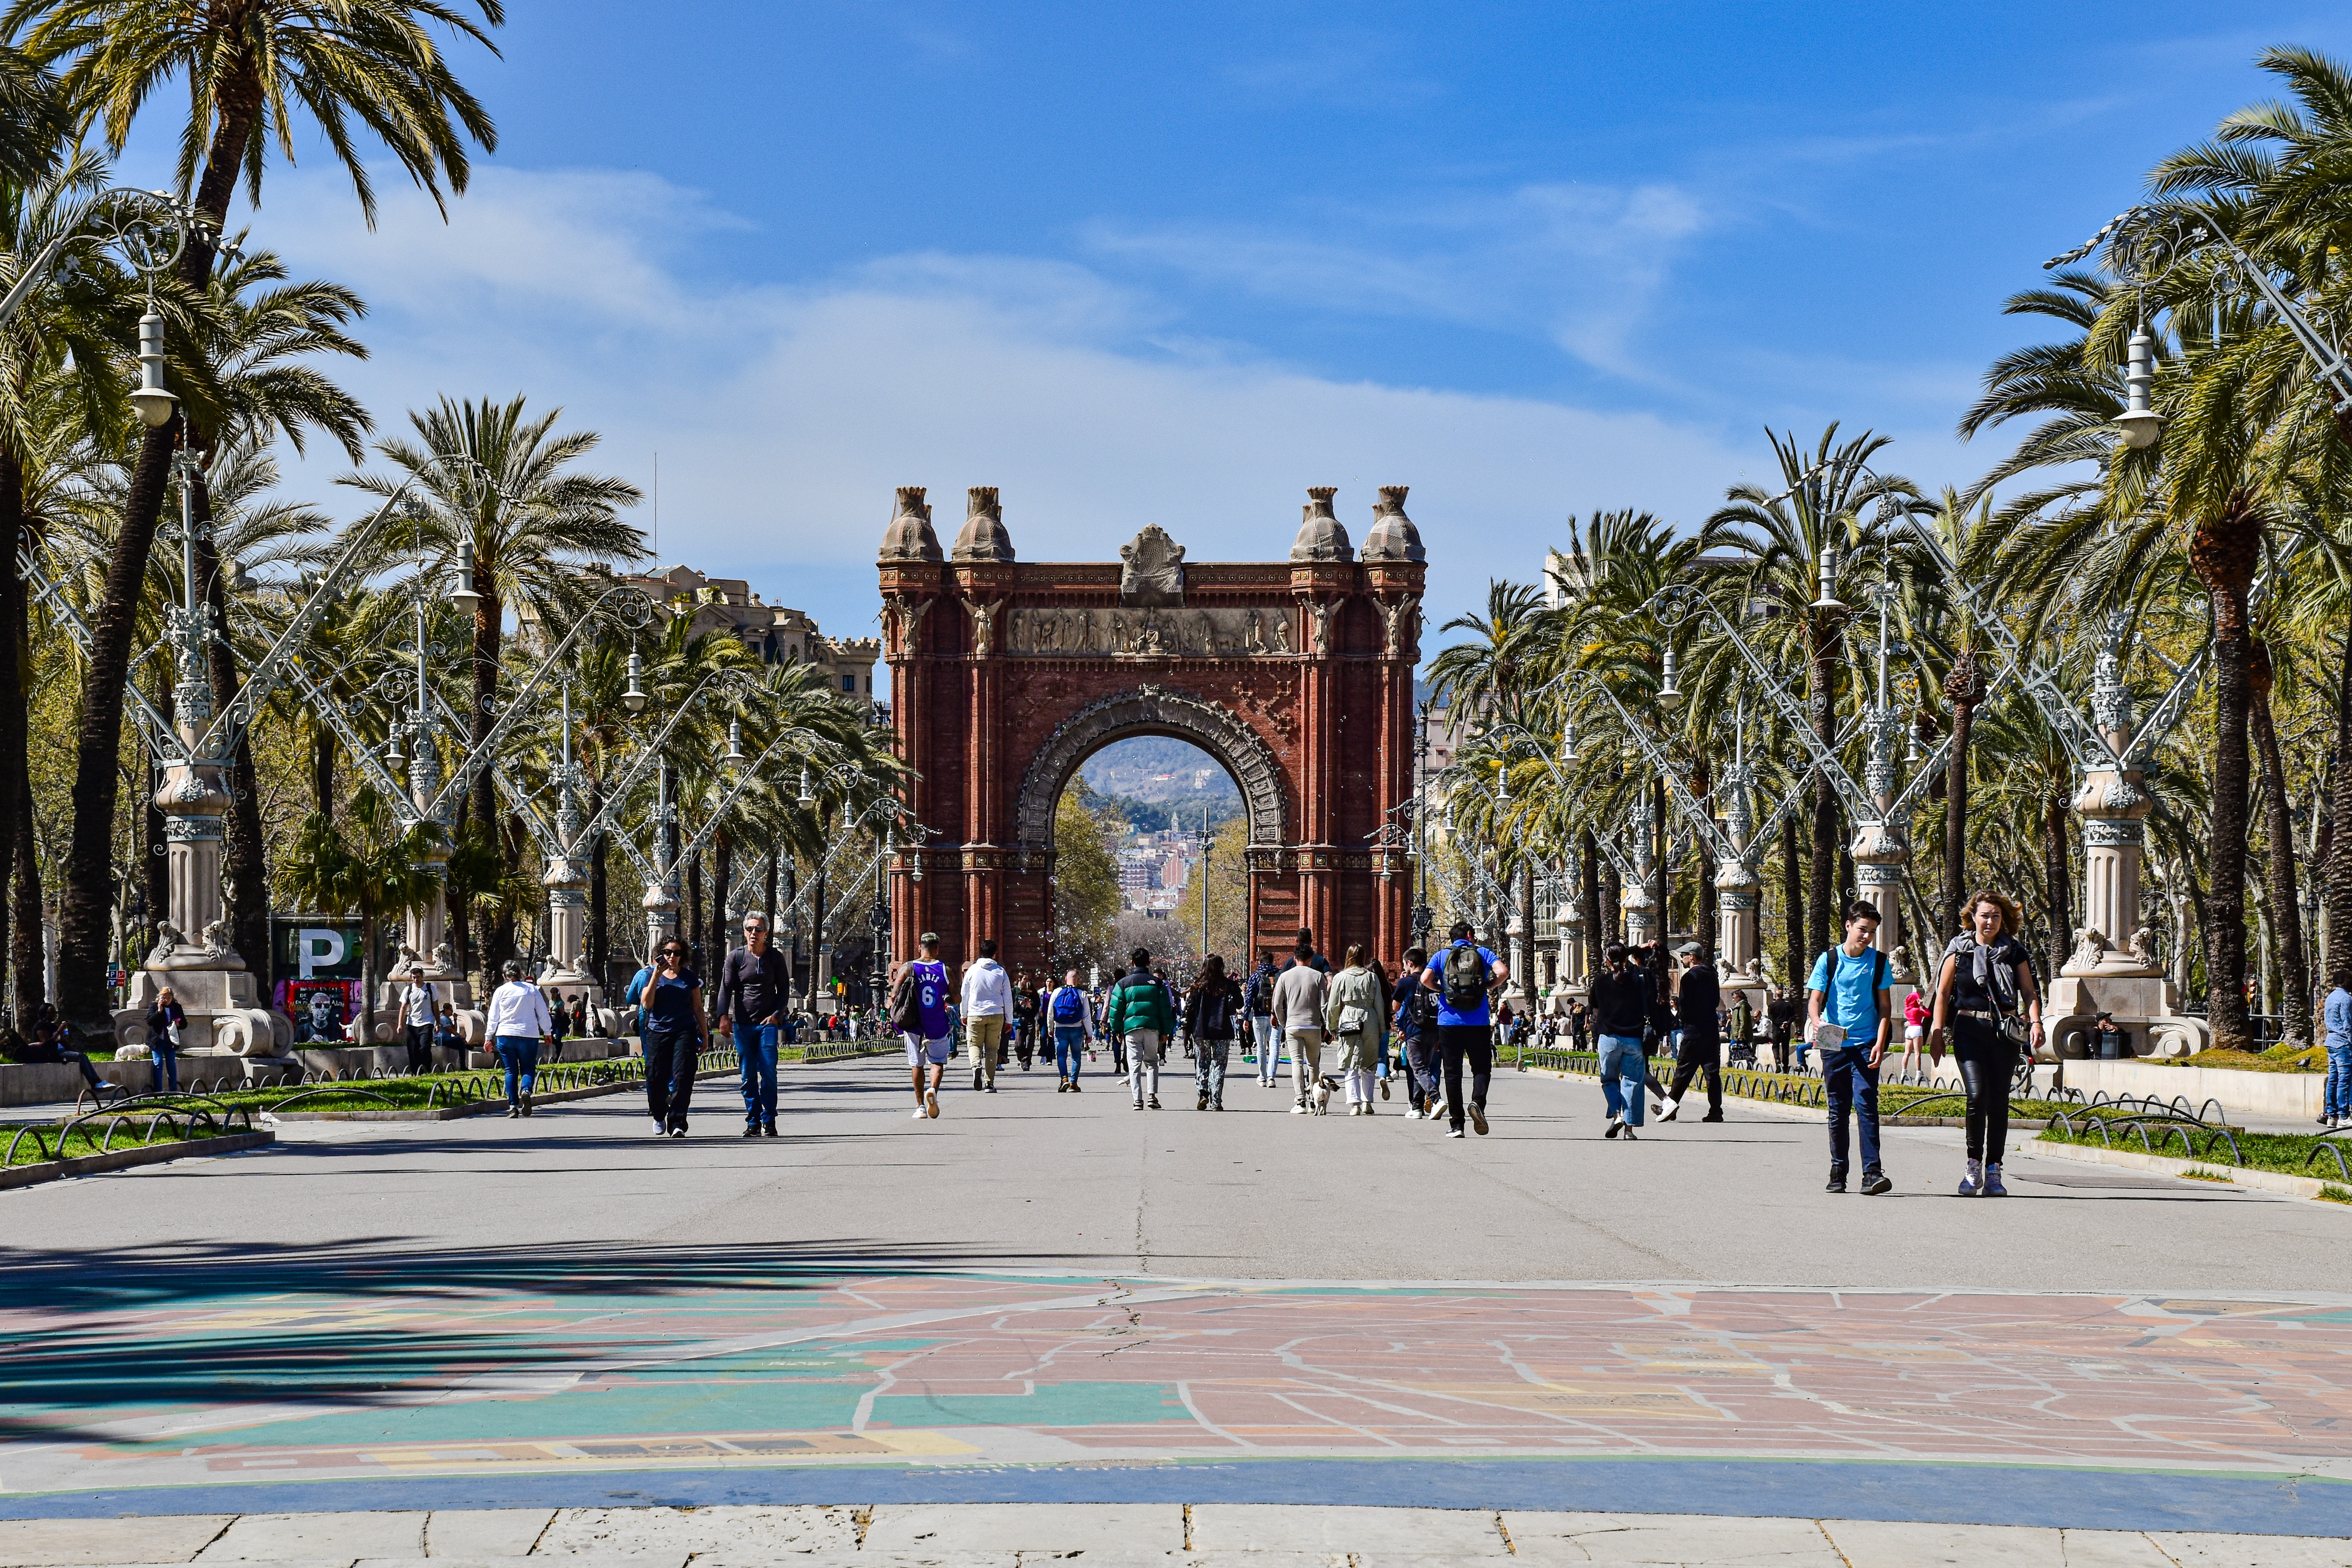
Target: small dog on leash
1325	1088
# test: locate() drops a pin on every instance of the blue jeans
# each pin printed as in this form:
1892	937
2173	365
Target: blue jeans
1852	1084
167	1069
756	1045
1269	1045
1624	1070
1209	1067
521	1053
2339	1078
1422	1064
1069	1050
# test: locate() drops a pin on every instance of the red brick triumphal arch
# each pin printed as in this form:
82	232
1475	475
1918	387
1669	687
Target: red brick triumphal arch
1296	675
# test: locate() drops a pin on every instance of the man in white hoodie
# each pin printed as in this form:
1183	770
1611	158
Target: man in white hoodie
987	1003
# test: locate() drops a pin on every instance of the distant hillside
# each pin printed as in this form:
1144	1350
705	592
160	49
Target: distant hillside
1160	771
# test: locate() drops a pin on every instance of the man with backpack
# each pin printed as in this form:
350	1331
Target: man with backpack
1140	1014
1260	995
1846	1005
1071	1015
1463	976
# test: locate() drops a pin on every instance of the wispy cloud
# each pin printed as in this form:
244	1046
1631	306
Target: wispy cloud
784	414
1578	264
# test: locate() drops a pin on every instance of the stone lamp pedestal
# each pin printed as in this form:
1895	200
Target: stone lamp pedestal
2107	972
192	952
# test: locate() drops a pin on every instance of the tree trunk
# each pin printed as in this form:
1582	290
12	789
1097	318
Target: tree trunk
154	869
243	853
1701	786
2278	829
1596	927
1821	708
791	895
15	729
1964	688
2058	882
816	929
26	940
368	942
2222	554
1792	899
599	955
1662	881
722	889
694	944
1523	963
85	911
322	769
2340	843
767	896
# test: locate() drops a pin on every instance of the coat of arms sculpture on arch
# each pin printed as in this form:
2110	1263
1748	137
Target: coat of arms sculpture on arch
1153	573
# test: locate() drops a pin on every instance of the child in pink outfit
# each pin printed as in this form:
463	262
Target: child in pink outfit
1914	1029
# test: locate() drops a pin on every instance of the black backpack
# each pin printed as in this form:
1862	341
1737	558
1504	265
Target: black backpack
1261	995
1215	1019
1465	978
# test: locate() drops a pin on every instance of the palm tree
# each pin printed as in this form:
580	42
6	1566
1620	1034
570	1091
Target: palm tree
258	333
1826	491
2244	437
499	484
252	68
533	522
58	386
33	121
1493	674
1963	532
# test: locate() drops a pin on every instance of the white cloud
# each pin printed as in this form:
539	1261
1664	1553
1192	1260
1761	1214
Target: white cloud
1578	264
785	413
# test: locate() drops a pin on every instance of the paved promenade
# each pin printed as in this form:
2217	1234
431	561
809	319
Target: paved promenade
1052	1299
1114	1535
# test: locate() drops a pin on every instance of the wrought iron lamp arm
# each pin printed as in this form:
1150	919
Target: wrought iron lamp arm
1676	602
741	684
481	756
221	738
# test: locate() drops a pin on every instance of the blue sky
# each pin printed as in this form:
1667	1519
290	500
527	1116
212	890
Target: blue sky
1173	264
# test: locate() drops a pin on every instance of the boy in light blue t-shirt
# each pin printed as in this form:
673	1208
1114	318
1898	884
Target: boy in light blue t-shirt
1848	990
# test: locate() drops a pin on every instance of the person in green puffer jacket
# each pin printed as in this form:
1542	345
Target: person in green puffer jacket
1139	1013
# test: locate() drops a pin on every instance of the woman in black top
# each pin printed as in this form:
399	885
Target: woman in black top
1213	1008
1984	986
166	1023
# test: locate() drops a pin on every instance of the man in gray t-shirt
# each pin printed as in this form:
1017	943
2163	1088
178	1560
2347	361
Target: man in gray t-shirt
1299	996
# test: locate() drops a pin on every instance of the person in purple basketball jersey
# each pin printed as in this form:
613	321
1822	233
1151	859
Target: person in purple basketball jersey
919	1011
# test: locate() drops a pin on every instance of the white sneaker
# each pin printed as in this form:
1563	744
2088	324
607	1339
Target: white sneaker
1666	1113
1456	1133
920	1114
1299	1108
659	1131
930	1102
1973	1182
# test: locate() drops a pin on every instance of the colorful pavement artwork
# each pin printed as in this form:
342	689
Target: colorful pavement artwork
388	1383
